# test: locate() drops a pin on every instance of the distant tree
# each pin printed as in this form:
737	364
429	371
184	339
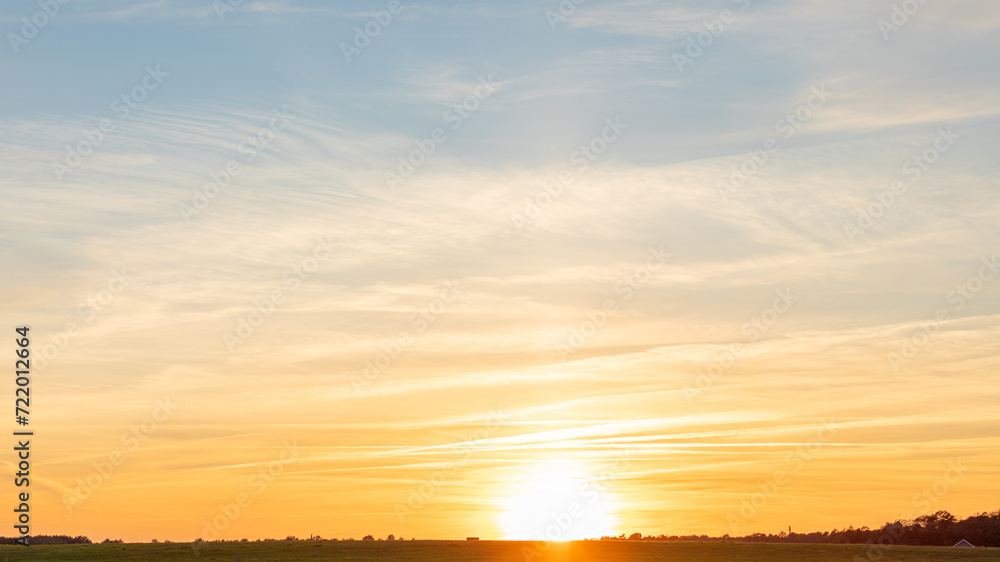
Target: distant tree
635	537
391	537
367	538
49	539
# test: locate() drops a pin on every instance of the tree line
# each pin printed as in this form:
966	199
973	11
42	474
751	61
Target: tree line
937	529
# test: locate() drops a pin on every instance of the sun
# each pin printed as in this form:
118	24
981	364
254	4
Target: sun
557	501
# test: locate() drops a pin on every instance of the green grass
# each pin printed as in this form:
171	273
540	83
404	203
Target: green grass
483	551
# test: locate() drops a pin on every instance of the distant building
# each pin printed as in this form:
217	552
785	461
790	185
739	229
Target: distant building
965	543
477	538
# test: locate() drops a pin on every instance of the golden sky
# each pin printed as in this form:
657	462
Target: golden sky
753	289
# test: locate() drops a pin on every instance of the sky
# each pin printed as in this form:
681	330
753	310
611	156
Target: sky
522	270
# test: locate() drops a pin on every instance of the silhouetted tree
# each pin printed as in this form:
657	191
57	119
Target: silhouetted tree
936	529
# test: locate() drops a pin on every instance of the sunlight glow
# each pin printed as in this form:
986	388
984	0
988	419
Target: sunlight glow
557	501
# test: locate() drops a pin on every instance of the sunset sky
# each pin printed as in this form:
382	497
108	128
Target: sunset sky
502	269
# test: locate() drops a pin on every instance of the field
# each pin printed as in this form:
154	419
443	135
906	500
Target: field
484	551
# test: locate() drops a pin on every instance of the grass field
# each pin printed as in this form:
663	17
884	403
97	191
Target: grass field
489	550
